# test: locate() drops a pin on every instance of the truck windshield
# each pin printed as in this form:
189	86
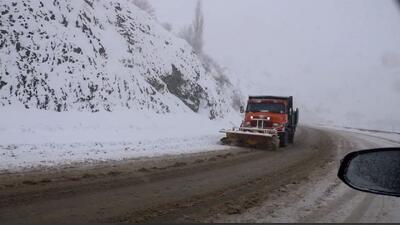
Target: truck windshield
266	107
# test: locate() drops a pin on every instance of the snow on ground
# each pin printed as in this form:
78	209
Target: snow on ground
30	138
386	135
323	197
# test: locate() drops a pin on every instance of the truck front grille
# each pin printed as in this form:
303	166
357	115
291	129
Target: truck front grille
267	124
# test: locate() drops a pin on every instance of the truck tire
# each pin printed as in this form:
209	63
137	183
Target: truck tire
284	139
291	138
275	143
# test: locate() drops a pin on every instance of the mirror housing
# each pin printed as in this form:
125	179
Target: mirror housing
296	116
241	109
374	171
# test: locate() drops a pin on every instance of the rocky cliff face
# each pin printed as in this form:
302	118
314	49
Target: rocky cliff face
100	55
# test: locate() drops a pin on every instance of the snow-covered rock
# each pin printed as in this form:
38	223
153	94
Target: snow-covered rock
101	55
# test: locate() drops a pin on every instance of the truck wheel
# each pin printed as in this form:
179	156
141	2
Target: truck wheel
291	138
284	139
275	143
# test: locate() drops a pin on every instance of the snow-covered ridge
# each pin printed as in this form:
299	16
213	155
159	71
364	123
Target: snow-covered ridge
100	55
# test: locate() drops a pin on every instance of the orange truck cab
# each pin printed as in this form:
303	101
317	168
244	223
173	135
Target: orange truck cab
272	112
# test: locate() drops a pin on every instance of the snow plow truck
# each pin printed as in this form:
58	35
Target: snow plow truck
269	122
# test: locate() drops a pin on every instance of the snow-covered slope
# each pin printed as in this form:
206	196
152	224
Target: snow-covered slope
35	138
100	55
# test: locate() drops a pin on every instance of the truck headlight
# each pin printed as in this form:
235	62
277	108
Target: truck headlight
276	125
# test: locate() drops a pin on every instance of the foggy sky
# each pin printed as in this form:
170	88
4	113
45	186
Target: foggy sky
339	58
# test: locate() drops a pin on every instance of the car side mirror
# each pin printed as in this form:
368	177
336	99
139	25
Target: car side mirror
375	171
241	109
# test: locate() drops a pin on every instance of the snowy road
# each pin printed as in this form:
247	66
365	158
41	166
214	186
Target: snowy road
294	184
324	198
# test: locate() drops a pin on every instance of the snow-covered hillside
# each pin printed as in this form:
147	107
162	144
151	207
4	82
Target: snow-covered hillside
100	55
88	80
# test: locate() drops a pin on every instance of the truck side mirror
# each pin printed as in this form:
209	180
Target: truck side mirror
241	109
296	116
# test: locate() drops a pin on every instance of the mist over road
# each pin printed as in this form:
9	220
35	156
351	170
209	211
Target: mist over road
297	183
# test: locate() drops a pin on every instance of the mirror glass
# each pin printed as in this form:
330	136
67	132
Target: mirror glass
241	109
375	171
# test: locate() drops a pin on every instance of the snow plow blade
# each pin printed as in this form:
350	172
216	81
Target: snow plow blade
254	138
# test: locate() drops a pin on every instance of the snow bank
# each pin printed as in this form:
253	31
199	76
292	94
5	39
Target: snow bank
393	137
30	138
